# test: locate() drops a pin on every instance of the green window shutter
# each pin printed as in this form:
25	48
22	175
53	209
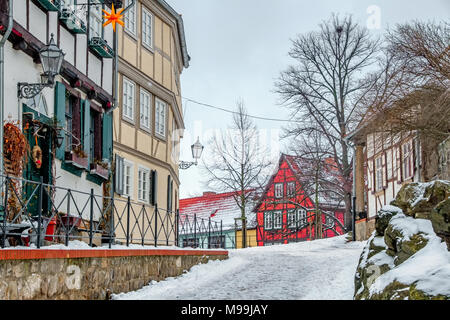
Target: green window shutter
154	187
107	136
86	116
60	115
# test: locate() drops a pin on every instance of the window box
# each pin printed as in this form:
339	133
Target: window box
100	46
50	5
76	160
72	21
99	170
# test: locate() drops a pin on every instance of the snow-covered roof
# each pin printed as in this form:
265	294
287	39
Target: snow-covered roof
227	209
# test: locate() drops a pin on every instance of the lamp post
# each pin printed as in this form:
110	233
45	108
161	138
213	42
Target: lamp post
197	149
51	58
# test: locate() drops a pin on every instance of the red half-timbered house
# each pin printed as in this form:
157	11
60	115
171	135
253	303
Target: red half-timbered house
286	211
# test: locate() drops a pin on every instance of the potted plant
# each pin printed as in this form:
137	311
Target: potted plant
100	169
77	157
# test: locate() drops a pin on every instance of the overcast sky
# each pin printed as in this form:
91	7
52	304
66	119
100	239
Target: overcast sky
239	47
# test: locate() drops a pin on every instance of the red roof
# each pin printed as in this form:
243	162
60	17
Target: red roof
222	204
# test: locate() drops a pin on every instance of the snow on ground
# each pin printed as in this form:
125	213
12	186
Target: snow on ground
320	269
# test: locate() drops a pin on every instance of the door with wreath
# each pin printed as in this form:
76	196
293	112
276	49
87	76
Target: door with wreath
38	131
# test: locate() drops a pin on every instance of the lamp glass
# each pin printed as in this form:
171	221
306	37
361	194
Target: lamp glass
51	58
197	149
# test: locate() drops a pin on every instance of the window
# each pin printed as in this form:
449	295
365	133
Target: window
130	18
278	190
127	178
143	184
68	122
329	221
128	99
379	173
291	219
191	242
96	20
268	220
277	220
407	160
145	107
160	117
147	28
302	217
290	189
217	242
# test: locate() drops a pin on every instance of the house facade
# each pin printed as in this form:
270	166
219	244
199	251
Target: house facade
285	210
212	221
384	162
148	123
68	124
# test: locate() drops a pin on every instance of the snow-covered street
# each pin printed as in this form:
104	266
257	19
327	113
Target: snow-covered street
321	269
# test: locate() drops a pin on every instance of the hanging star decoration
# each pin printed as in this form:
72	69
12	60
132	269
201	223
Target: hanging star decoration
113	17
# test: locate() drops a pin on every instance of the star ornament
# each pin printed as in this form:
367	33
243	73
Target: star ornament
113	17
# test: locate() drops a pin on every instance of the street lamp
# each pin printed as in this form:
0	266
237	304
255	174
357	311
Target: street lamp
51	58
197	149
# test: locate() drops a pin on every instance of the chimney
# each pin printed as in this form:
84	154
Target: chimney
208	193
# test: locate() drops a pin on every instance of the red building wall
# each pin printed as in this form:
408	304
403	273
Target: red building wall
285	234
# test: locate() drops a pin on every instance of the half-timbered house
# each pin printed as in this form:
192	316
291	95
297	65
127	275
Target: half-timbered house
286	210
67	124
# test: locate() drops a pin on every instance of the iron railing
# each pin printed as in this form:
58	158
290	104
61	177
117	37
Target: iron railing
43	214
200	232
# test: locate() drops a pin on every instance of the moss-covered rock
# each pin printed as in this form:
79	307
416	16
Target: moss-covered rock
383	217
421	198
400	291
440	219
410	247
400	234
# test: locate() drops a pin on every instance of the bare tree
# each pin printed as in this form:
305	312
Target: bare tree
412	91
238	163
323	88
319	177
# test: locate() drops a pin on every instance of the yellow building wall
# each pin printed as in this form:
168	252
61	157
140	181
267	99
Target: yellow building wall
157	70
251	238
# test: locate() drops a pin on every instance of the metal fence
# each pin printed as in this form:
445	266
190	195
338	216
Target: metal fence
199	232
43	214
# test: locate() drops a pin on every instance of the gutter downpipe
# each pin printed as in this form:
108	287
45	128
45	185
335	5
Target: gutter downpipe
2	83
352	146
116	63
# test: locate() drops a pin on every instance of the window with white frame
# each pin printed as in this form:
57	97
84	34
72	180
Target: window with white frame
329	221
130	18
407	160
278	190
268	220
301	217
277	219
143	184
379	173
96	20
160	117
145	109
127	178
291	219
147	28
290	188
128	99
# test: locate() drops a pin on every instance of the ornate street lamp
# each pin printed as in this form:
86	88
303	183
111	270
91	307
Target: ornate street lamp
51	58
197	149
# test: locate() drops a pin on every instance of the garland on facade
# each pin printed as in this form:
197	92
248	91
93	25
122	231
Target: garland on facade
15	151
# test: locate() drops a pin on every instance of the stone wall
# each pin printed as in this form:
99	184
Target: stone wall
90	274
